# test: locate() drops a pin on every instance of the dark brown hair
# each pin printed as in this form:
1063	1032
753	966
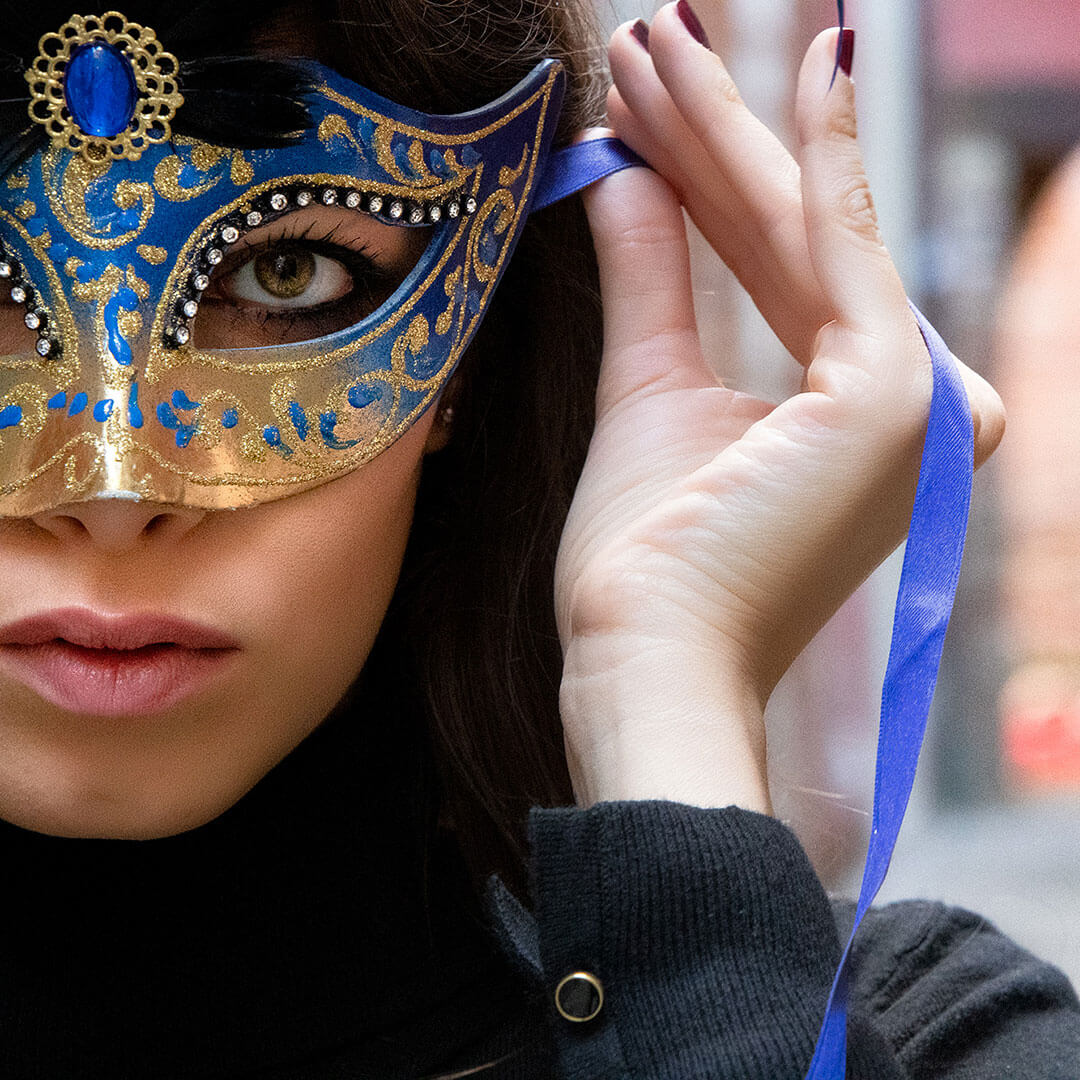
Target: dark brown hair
468	653
469	648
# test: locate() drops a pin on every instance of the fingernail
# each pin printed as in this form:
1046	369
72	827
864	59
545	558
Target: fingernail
640	33
846	51
692	23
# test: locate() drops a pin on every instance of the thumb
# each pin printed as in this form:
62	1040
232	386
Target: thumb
650	334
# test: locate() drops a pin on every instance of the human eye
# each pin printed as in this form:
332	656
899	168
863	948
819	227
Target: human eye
290	277
301	280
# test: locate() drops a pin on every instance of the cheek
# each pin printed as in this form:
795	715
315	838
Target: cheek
326	587
320	571
302	583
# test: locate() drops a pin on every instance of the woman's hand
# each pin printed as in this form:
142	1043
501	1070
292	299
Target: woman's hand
713	534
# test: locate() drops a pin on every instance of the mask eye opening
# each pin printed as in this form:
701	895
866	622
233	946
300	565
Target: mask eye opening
272	205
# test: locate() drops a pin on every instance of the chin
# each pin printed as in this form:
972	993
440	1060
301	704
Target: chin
146	804
118	779
101	820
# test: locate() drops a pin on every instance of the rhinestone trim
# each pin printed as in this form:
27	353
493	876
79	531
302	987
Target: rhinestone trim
269	207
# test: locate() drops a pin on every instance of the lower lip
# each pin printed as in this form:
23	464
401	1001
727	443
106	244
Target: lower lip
114	682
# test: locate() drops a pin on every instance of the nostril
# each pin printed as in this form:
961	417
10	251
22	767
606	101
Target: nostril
118	525
67	527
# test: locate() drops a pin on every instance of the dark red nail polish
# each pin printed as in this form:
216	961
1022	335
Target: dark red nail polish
846	52
692	23
640	33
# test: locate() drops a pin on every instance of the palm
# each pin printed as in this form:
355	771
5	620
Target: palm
712	534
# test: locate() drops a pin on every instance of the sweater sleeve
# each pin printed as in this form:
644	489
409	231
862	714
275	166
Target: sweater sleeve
708	930
957	1000
715	946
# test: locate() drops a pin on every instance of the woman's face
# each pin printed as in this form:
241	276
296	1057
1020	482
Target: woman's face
156	660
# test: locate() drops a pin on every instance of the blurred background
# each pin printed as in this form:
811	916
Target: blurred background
969	115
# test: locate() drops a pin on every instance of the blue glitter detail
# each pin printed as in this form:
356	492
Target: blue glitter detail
469	156
180	400
57	401
122	300
327	423
425	364
359	396
10	416
100	89
272	435
489	247
170	420
135	416
437	162
103	410
78	403
230	418
299	420
400	152
365	128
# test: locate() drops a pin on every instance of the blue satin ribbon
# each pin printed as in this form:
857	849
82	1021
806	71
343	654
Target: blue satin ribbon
935	548
575	167
924	602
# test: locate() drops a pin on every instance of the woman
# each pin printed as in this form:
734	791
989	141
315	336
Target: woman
255	764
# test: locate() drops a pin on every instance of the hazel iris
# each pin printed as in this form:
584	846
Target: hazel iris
285	274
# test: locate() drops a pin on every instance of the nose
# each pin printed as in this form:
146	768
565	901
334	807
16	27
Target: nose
117	526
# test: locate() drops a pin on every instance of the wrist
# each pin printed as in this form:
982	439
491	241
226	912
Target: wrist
654	719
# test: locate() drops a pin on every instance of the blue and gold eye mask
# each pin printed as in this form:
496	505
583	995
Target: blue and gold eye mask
116	232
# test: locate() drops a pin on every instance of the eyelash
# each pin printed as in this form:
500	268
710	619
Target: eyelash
361	266
359	262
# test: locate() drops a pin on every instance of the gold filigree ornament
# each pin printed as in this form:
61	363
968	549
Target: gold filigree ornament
104	87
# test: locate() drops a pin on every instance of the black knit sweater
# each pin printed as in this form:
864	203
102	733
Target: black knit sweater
306	935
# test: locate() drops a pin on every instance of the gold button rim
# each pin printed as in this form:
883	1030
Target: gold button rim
594	982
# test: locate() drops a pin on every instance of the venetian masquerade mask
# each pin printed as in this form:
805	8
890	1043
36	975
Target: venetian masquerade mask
116	234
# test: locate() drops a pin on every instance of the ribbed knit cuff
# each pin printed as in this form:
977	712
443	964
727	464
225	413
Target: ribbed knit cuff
708	929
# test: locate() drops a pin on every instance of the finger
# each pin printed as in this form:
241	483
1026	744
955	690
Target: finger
846	246
718	211
738	183
646	113
987	412
650	334
847	250
750	157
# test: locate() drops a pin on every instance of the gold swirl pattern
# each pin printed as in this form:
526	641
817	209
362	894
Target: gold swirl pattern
165	420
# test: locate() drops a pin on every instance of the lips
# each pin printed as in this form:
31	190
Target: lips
113	665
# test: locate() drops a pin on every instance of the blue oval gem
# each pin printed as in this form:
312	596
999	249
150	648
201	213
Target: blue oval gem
100	89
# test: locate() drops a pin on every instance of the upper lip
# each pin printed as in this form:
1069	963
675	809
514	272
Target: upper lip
94	630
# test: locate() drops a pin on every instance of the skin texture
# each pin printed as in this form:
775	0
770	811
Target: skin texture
302	583
710	537
713	534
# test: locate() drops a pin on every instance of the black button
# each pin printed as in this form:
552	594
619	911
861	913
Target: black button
579	997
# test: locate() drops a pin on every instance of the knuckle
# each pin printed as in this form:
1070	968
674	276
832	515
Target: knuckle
856	204
724	89
648	243
725	98
842	125
987	413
